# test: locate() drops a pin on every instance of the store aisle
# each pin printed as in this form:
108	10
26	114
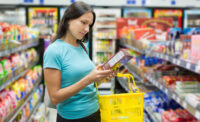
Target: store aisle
52	115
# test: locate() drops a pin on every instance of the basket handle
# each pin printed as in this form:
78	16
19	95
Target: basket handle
128	75
129	82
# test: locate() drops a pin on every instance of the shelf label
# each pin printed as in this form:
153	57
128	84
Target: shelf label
166	90
166	57
184	104
173	96
174	60
178	100
197	114
178	62
188	65
198	68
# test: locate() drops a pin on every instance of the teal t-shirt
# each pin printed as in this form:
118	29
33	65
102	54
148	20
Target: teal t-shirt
74	64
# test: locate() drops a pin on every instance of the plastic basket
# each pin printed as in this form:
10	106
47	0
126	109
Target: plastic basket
126	107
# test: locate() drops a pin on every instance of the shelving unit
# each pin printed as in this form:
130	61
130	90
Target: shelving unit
179	62
104	40
20	48
3	86
185	64
23	102
34	109
149	110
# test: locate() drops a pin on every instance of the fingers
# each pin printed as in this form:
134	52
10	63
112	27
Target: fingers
105	72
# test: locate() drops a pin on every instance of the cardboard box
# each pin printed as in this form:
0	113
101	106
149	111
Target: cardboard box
120	58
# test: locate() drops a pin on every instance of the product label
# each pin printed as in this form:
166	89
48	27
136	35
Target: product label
116	59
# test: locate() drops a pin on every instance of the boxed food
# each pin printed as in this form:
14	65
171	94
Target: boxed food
120	58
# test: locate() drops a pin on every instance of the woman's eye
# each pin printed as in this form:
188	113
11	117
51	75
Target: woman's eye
83	22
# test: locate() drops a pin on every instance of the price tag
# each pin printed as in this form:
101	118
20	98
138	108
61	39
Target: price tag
174	60
188	65
166	57
197	114
197	68
173	96
178	100
178	62
166	90
184	104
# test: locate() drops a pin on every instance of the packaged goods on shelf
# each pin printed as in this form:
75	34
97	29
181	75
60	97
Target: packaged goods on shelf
12	36
40	114
14	64
193	100
159	25
178	115
166	108
26	111
104	44
12	97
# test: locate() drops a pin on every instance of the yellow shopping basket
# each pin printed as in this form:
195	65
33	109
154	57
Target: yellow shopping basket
126	107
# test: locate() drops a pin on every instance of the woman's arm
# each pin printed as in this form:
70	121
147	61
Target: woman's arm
53	81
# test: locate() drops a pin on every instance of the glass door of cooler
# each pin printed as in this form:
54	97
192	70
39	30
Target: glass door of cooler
62	11
44	19
176	14
104	40
104	34
192	18
137	13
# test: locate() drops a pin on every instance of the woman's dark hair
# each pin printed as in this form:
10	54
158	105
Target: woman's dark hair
74	11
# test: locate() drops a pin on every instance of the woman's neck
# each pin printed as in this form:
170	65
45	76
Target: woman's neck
70	39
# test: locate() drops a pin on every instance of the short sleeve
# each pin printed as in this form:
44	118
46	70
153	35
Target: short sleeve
52	58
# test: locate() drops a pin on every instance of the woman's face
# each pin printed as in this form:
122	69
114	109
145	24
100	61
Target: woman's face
80	27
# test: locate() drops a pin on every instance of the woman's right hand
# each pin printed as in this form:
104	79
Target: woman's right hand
98	75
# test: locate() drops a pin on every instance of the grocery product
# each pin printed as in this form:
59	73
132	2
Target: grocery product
121	57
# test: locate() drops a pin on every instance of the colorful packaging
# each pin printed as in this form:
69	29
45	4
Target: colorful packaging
121	57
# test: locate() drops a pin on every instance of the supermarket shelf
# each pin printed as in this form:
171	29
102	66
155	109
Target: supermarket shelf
106	26
133	48
3	86
104	51
182	63
106	19
133	73
13	115
104	38
176	97
35	108
19	48
123	83
129	68
152	114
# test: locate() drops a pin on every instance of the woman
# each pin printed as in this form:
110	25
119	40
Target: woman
69	73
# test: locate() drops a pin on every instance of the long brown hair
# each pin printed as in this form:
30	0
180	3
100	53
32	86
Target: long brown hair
74	11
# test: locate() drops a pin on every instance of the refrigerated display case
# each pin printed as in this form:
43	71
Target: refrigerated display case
104	41
14	16
104	34
62	11
192	18
44	19
139	13
176	14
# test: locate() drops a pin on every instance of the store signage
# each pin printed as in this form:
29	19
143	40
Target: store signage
160	25
28	1
72	1
132	2
173	2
